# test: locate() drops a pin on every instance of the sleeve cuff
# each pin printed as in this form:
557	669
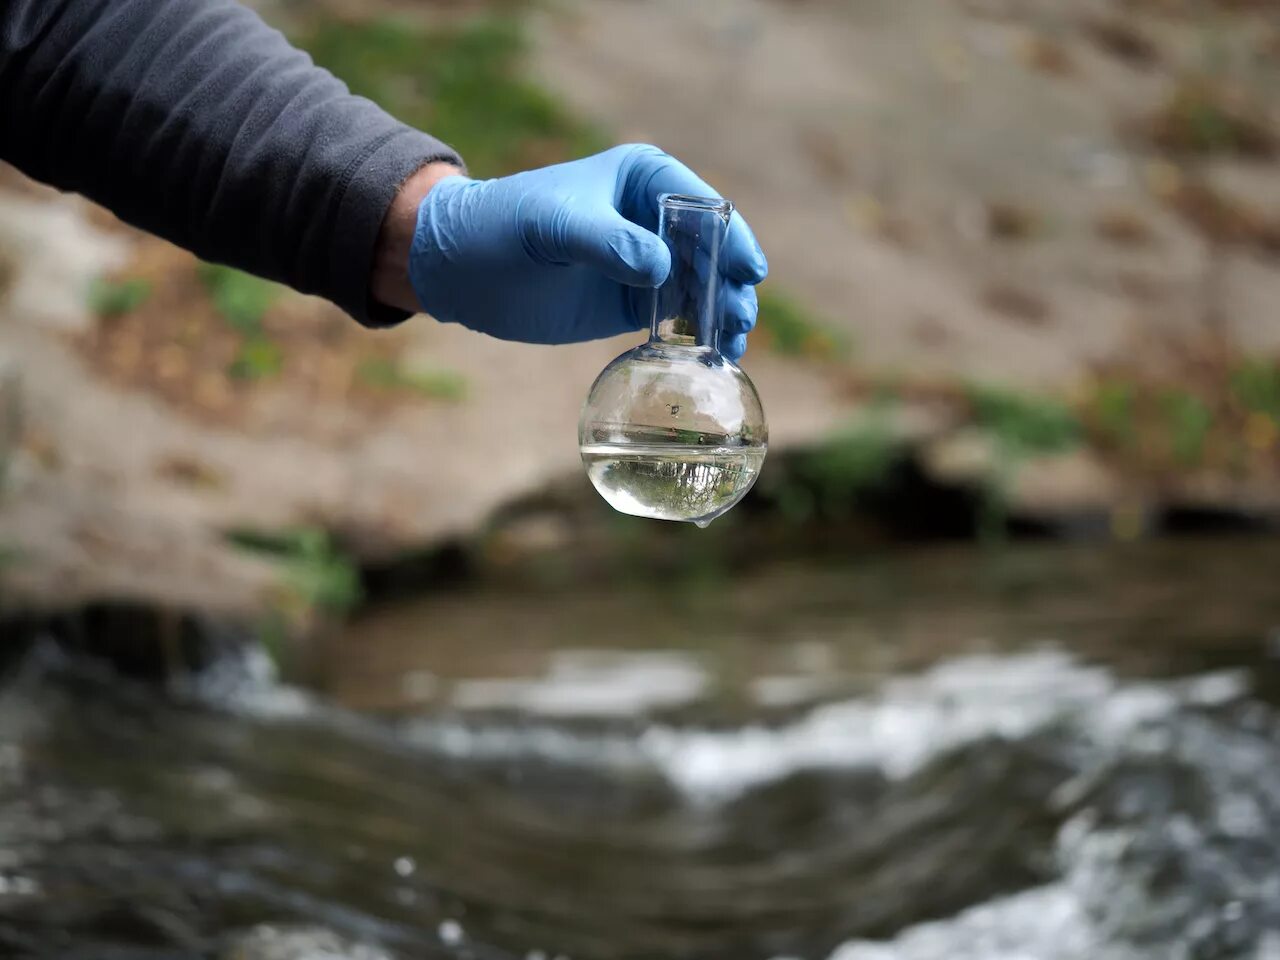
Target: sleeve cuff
363	206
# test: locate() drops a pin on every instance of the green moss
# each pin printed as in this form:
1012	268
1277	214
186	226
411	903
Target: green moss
1111	407
114	298
464	84
317	574
390	375
257	359
1023	424
240	298
1023	427
1189	421
856	458
826	480
273	631
1255	384
792	330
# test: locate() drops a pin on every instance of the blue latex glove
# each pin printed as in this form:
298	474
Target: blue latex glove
568	252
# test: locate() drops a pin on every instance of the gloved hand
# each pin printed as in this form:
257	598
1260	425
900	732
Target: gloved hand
568	252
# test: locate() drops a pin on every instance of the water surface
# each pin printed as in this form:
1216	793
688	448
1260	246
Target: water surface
1047	754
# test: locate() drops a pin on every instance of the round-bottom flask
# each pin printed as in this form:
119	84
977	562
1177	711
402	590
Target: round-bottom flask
673	430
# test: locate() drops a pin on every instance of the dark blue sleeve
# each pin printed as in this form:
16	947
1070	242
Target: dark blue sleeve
196	121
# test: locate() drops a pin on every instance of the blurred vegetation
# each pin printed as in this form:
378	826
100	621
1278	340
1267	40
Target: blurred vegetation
1024	424
1219	412
317	575
790	329
461	82
12	421
1023	427
242	300
114	298
1256	385
854	459
1189	422
388	374
257	359
827	480
1202	117
1110	410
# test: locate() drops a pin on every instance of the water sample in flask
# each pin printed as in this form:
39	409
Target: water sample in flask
673	430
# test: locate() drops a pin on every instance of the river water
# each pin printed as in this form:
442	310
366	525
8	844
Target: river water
1046	753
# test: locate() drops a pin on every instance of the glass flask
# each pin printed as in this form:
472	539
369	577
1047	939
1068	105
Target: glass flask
673	430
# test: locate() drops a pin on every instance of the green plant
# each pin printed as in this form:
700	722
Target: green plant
1256	385
387	374
1189	420
827	478
1112	409
114	298
272	631
257	359
12	421
992	520
316	572
240	298
791	330
857	457
1203	118
1024	425
463	83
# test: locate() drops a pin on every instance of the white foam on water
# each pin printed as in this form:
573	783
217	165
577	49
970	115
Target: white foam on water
1058	921
1269	947
1131	706
1214	689
790	690
464	740
898	730
1046	923
451	933
247	683
913	720
593	683
272	942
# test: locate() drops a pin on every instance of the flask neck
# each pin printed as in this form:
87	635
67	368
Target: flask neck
686	308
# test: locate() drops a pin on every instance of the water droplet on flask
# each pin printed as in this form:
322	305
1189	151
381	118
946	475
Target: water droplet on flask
702	524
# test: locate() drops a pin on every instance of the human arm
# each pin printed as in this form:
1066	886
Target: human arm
196	121
568	252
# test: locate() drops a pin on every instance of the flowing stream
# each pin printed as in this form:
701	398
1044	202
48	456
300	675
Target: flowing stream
1049	753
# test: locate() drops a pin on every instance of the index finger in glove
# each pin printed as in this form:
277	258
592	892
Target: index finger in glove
654	173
